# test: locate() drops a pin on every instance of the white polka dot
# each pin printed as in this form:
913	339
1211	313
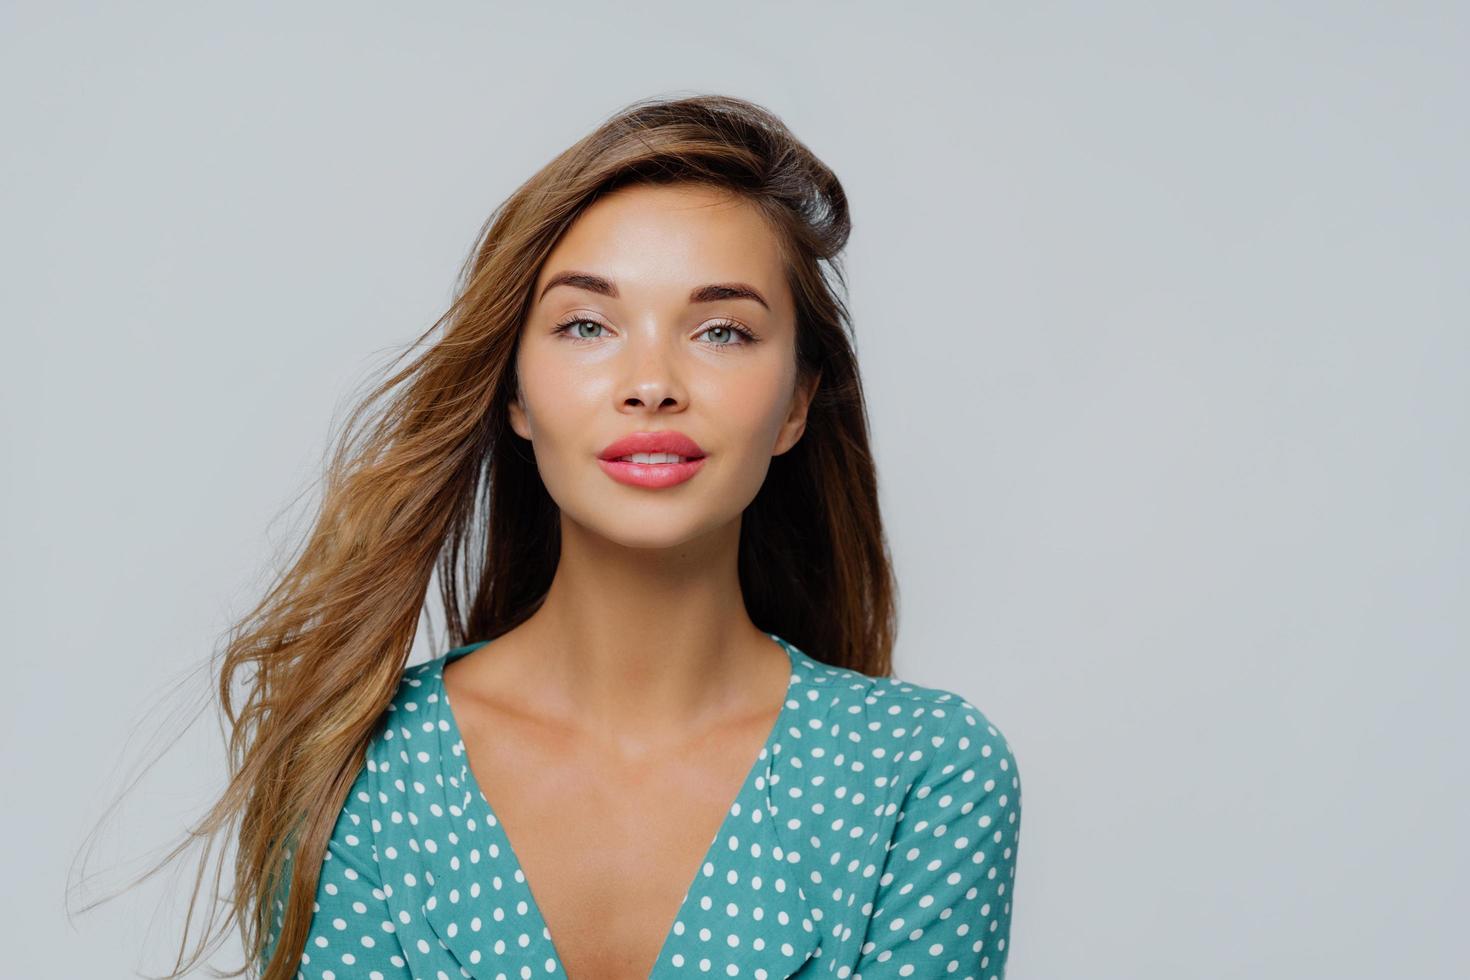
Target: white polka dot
894	814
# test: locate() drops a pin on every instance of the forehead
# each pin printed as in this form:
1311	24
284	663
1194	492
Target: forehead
670	236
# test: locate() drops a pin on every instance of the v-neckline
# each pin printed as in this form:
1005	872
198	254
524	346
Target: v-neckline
762	760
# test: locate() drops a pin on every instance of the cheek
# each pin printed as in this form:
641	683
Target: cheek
749	411
556	397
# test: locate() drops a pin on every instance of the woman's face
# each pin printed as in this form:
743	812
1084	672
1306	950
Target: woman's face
640	342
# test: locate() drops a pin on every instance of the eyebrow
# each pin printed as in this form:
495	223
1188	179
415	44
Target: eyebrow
708	293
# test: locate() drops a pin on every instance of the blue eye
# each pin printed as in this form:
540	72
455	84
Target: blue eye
563	327
734	328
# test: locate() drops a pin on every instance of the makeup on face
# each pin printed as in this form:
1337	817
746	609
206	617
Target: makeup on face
653	460
660	322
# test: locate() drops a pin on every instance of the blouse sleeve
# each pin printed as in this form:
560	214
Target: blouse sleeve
943	904
352	932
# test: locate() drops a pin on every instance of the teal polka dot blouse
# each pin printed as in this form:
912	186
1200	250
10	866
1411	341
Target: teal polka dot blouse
874	837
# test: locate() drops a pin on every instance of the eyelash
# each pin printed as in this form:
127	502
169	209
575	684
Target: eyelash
562	328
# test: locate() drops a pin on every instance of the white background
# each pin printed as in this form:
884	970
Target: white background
1162	312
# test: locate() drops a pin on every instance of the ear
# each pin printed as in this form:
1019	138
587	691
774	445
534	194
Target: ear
516	409
795	424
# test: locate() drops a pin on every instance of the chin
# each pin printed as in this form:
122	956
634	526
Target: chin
656	527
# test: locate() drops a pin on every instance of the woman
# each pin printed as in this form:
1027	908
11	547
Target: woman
666	740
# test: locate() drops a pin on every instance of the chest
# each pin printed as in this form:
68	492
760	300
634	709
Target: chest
608	847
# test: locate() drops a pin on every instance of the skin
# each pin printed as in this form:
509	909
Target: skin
613	728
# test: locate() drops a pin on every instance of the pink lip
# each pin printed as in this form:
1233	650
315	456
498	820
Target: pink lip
662	441
652	475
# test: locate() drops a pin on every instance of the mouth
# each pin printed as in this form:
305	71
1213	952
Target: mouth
653	459
651	471
653	448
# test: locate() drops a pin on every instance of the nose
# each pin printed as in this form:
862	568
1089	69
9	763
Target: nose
653	380
652	393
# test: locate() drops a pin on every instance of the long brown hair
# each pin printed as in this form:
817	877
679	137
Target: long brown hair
428	476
